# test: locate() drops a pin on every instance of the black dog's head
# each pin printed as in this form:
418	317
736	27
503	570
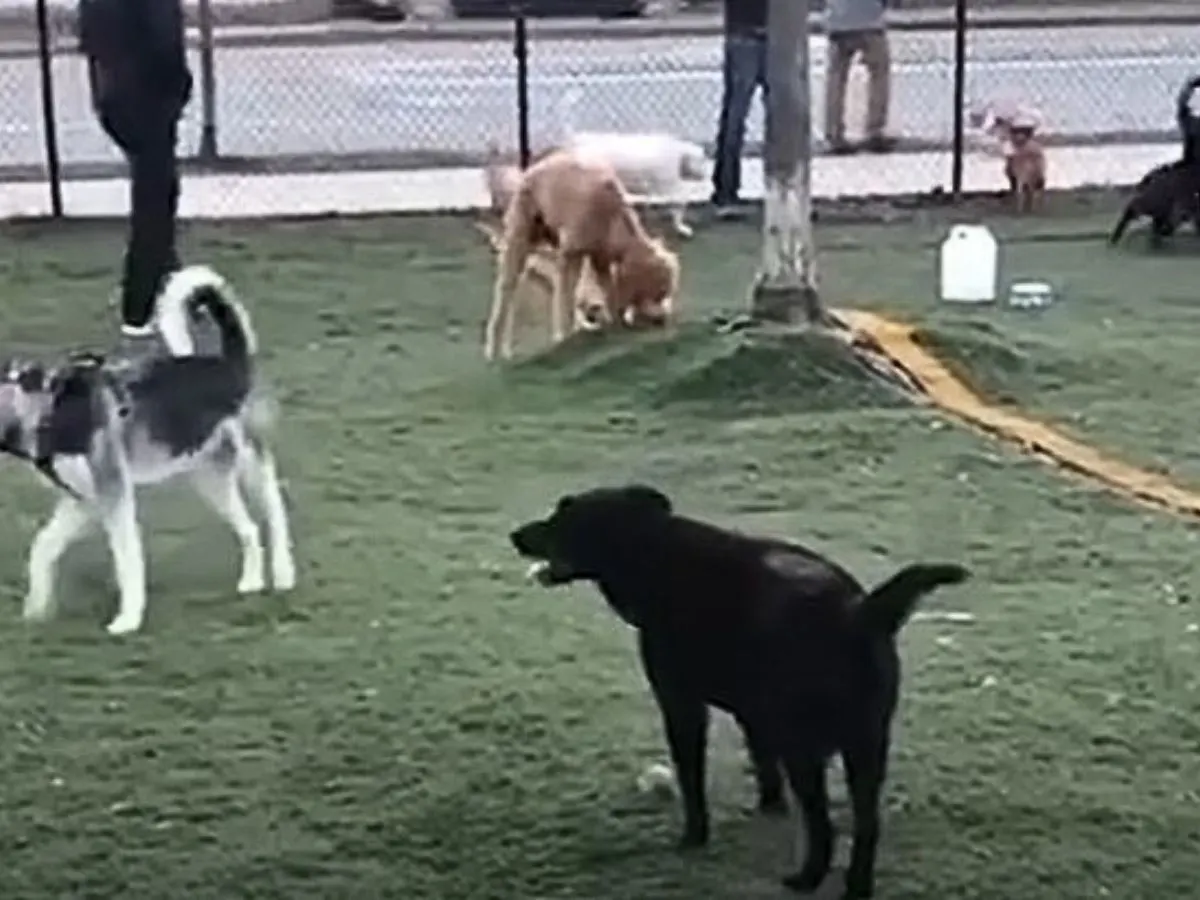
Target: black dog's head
575	540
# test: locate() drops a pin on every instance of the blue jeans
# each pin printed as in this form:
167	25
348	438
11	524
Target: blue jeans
744	70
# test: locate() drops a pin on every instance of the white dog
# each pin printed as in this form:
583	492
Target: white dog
97	431
654	164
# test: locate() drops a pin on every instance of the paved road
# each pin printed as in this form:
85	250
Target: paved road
408	97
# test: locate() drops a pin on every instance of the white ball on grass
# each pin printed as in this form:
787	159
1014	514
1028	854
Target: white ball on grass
657	778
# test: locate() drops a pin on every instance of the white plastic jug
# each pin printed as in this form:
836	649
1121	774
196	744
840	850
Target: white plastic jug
970	265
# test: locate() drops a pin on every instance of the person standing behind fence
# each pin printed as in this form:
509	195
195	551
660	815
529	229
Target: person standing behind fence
140	84
744	71
857	28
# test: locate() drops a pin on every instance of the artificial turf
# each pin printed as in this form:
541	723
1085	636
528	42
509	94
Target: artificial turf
417	722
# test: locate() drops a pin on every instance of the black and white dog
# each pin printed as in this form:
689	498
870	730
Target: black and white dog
97	431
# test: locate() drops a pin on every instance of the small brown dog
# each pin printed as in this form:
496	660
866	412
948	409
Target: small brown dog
578	206
1009	130
1024	167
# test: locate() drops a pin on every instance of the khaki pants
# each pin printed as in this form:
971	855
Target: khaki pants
872	46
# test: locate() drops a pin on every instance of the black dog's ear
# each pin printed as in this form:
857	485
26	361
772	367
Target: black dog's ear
648	498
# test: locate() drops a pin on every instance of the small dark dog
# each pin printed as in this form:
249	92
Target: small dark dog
1168	195
787	642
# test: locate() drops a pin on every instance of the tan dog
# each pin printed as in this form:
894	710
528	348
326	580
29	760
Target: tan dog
1011	128
1025	168
503	177
577	206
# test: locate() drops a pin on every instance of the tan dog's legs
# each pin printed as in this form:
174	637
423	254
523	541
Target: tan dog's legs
499	334
566	289
603	279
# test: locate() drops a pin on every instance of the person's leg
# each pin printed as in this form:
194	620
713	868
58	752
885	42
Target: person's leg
877	58
740	77
154	186
841	51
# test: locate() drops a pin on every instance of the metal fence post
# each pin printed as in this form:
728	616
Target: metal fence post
521	51
960	97
49	120
208	88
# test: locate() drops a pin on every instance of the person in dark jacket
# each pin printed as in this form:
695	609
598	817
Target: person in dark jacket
743	71
140	84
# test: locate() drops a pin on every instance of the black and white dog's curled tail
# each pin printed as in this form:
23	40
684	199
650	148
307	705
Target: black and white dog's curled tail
1183	103
200	288
1188	121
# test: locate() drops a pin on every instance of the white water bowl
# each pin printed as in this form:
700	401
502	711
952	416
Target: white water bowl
1030	294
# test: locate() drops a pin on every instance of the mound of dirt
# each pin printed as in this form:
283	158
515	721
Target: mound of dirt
759	374
697	370
621	361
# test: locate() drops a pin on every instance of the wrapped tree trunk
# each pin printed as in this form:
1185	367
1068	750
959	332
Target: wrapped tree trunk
785	289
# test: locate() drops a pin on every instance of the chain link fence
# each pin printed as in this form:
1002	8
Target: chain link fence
347	113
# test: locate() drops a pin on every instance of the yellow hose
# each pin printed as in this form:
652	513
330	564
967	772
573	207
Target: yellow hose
898	342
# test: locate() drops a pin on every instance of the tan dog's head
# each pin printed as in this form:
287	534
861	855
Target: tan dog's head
1020	137
645	285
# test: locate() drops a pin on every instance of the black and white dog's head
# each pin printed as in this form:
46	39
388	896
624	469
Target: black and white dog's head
49	410
25	398
574	542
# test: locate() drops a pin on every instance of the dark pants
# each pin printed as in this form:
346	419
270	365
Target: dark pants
744	70
146	131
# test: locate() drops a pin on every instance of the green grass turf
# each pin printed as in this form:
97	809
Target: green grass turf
415	722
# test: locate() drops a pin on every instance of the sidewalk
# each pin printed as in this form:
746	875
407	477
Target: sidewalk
440	190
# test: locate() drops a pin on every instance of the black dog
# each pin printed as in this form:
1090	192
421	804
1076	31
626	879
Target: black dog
1168	195
787	642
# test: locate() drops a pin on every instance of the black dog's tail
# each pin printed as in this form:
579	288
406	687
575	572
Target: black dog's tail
885	610
1127	216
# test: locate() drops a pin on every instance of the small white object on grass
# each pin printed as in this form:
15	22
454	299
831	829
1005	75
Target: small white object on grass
947	616
657	778
1030	294
536	570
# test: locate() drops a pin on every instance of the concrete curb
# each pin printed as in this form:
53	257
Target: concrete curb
309	22
432	159
898	182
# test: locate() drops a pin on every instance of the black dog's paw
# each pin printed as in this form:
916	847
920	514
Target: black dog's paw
858	887
693	839
773	806
806	881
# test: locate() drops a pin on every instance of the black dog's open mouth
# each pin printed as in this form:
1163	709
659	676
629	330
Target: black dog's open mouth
548	573
532	541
